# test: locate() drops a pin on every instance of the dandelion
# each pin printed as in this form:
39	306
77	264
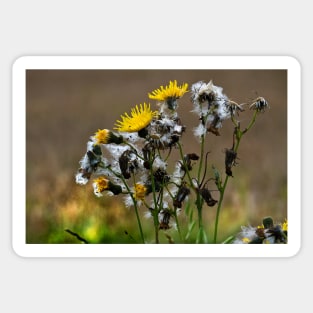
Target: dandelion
140	191
247	235
134	160
267	233
169	94
285	226
140	118
137	194
102	184
105	136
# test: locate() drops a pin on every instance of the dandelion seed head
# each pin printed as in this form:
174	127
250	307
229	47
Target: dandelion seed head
199	131
81	179
116	150
131	137
158	163
128	201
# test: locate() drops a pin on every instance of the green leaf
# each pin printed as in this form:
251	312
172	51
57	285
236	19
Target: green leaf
228	240
202	237
190	229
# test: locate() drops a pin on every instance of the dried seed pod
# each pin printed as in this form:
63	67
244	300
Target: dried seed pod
165	216
188	158
94	157
214	126
128	163
206	195
259	104
230	161
182	193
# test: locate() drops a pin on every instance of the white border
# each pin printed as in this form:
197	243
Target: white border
154	62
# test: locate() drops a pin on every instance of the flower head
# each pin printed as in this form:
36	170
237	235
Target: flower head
169	94
100	184
259	104
212	106
105	136
267	233
102	136
140	191
285	226
140	118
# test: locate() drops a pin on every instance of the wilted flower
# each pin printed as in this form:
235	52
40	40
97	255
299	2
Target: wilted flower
211	104
164	132
267	233
207	197
181	195
259	104
128	163
164	219
230	161
89	163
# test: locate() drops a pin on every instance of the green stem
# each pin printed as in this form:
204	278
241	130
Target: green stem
239	135
175	214
219	208
134	202
201	158
185	167
178	227
155	211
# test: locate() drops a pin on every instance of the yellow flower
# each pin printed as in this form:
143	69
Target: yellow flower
245	240
102	136
101	184
172	91
140	118
285	226
140	191
105	136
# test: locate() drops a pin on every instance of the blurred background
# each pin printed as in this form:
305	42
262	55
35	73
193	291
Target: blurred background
65	107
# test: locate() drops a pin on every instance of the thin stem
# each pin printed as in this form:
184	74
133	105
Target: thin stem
155	211
219	208
134	202
185	167
238	136
175	213
201	157
134	150
177	224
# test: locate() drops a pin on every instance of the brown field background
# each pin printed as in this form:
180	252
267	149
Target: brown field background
65	107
